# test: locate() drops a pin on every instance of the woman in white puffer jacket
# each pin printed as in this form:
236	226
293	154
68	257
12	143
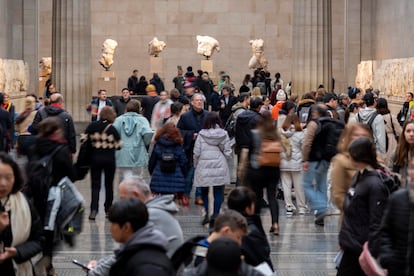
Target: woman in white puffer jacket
291	164
212	151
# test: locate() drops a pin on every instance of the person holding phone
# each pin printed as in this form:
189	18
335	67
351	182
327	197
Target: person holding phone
20	226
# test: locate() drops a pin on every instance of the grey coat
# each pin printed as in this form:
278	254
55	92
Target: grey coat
211	151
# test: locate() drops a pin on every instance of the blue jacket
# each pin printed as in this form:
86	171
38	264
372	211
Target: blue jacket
167	183
135	133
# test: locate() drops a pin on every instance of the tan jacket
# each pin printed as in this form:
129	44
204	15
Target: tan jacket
341	175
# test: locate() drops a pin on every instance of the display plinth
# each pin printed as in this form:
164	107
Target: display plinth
156	65
108	81
207	66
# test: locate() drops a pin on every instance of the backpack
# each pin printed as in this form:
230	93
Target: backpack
269	154
39	175
230	126
168	163
369	123
390	179
184	255
65	210
327	137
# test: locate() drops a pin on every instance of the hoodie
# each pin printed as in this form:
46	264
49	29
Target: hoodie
143	254
162	210
378	126
211	151
135	133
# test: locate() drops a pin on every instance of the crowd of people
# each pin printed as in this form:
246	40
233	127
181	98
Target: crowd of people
322	153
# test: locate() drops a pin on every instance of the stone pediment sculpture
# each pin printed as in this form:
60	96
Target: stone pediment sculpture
108	50
207	45
155	47
45	66
257	61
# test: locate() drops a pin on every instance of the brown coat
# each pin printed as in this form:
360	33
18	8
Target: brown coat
341	175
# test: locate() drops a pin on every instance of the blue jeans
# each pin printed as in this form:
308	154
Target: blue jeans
188	182
316	194
218	198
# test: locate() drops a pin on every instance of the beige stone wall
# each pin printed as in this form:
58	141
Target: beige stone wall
133	23
393	28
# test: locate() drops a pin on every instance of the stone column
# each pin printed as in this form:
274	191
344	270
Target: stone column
71	53
312	45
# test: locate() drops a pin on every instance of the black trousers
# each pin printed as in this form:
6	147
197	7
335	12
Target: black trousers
350	265
265	177
97	167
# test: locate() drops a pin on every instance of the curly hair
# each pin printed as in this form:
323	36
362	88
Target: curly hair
171	132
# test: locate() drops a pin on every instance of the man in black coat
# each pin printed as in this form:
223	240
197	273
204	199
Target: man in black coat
120	104
56	109
190	124
144	251
226	103
133	82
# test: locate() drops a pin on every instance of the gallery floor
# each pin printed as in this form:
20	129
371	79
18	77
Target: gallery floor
302	248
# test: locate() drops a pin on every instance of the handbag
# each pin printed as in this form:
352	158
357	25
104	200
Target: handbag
369	264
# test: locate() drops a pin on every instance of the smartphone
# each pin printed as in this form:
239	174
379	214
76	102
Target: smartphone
81	265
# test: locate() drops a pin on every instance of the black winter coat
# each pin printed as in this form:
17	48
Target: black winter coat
364	206
394	236
68	126
226	111
62	166
246	121
190	122
255	247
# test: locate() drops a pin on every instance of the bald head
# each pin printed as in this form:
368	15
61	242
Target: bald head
56	98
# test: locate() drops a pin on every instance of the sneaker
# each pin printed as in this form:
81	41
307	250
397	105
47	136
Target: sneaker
302	211
289	211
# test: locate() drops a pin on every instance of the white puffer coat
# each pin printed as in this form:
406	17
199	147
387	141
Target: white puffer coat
211	151
294	163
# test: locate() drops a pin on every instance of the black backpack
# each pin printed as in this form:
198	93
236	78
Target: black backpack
39	180
230	126
168	163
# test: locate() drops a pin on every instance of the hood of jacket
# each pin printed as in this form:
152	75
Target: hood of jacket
306	102
366	114
247	116
53	110
238	105
129	122
213	136
147	235
163	141
164	202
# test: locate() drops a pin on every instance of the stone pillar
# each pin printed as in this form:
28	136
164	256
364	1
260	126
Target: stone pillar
30	42
71	53
312	45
